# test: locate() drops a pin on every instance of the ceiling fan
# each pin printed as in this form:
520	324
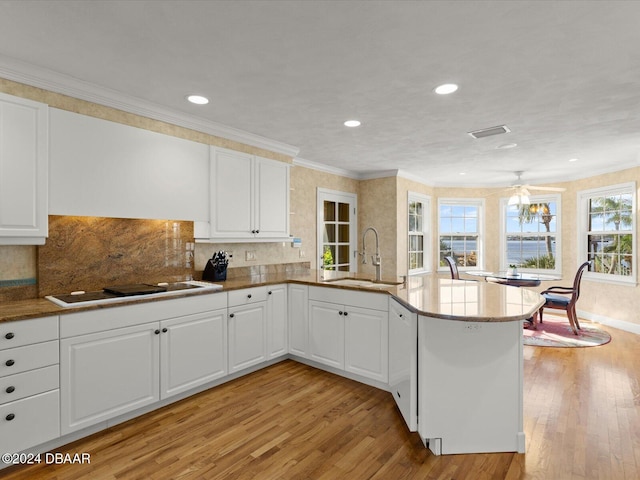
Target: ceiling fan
519	192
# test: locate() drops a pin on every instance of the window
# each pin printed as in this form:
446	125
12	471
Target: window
419	206
531	238
607	229
460	231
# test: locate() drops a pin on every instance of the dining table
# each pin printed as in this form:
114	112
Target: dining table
516	280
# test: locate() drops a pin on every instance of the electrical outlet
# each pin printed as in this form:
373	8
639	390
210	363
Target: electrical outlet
230	256
250	255
302	254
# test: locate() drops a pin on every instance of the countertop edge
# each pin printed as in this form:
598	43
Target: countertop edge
40	307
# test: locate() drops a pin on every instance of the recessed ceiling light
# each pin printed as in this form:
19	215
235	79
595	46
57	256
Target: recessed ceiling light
352	123
507	146
573	159
463	173
198	99
446	89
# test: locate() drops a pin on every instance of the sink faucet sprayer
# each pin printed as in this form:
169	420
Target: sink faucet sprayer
375	259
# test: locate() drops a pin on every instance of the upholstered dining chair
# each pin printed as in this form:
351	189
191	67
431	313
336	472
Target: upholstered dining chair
565	298
453	267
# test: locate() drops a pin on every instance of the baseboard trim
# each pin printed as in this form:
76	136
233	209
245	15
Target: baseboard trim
610	322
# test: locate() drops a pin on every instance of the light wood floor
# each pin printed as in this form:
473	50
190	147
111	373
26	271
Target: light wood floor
290	421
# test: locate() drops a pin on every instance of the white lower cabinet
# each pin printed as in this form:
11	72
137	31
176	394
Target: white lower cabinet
193	351
258	325
366	347
29	383
326	333
277	321
29	422
107	374
247	336
403	361
298	299
117	360
349	336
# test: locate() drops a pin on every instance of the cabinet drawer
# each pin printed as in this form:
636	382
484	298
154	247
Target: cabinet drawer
247	295
104	319
25	332
22	385
29	422
30	357
376	301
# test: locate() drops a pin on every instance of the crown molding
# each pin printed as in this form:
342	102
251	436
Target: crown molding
21	72
301	162
360	175
414	178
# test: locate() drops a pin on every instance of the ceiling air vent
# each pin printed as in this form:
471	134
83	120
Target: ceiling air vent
487	132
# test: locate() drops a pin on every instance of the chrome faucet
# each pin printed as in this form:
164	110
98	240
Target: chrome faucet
375	259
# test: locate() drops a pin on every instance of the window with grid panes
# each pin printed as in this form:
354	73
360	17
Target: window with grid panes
608	239
459	231
418	241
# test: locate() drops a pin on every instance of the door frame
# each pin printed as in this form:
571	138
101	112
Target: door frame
342	197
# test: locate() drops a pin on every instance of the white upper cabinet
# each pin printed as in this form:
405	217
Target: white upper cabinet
249	198
107	169
23	171
271	218
232	194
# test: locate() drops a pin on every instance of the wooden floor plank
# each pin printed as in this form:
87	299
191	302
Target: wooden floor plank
291	421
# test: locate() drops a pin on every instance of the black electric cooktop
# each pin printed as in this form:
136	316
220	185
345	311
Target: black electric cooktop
118	291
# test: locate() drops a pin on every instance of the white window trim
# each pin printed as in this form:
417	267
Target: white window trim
480	203
426	224
583	202
557	198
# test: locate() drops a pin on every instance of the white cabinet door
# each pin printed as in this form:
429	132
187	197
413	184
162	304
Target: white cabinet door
193	351
247	336
249	197
271	218
326	333
298	319
106	374
403	361
277	321
23	171
231	194
366	341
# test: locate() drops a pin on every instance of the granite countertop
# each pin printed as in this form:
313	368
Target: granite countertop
429	295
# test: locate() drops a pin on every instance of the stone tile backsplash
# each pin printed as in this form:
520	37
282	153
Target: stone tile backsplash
89	253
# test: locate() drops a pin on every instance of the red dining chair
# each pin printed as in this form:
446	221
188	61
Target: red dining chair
565	298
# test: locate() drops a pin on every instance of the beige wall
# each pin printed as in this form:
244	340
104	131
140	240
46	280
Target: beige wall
376	208
612	301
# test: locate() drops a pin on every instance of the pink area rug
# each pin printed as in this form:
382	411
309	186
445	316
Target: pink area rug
556	332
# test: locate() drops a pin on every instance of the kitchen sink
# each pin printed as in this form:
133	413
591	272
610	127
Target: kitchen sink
355	282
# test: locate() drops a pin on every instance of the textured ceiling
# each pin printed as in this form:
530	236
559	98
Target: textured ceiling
564	76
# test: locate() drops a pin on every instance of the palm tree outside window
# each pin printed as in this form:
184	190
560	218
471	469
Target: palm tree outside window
608	232
531	235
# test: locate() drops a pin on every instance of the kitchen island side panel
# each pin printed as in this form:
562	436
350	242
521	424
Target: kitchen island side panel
470	386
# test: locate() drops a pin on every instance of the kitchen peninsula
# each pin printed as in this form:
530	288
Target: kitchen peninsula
464	335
